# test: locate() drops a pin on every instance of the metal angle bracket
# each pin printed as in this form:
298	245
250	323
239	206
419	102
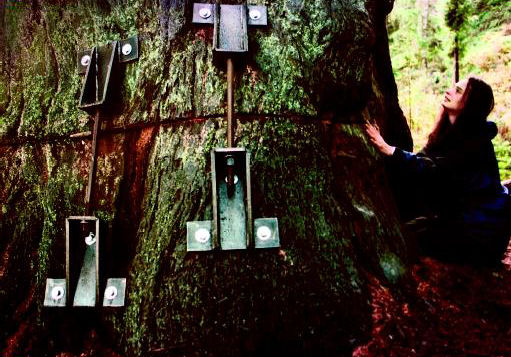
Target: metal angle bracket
82	260
232	227
97	65
232	197
230	34
81	286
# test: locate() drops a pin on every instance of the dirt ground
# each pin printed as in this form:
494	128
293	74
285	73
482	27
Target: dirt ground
444	310
441	310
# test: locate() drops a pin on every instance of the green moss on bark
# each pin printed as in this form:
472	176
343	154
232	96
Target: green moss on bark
314	58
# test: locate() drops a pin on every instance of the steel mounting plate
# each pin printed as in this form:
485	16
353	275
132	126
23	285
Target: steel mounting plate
199	236
203	9
82	261
266	233
262	17
115	292
232	214
55	294
130	44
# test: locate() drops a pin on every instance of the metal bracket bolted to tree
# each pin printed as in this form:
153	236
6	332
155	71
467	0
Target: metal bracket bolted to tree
99	65
230	39
232	226
82	283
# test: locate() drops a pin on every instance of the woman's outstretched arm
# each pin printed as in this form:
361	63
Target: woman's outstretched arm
417	163
377	140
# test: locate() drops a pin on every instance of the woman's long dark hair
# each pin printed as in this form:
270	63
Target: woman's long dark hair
477	104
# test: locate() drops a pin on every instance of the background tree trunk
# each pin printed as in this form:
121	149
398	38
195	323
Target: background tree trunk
319	71
456	59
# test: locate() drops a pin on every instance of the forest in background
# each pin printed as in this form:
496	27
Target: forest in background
422	41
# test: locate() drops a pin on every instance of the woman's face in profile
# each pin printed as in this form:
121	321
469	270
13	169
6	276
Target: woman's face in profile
453	99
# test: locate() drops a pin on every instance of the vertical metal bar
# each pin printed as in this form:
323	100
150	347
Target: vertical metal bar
93	162
93	165
68	266
248	203
96	64
97	259
230	104
216	222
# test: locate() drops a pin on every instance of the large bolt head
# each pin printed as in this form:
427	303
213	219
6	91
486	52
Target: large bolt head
205	13
90	239
110	292
254	14
126	49
57	293
202	235
263	233
85	60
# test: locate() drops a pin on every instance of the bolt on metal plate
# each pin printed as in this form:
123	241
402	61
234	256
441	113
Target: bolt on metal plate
257	15
115	292
266	233
55	294
203	13
199	236
83	59
230	30
128	49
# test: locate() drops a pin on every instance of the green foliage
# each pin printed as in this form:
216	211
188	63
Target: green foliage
488	14
417	39
455	16
487	53
503	152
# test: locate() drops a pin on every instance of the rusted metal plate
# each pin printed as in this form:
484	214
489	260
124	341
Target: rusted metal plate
55	294
115	292
199	236
266	233
232	211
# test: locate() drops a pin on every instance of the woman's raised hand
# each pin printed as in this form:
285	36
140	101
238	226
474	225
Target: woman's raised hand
376	139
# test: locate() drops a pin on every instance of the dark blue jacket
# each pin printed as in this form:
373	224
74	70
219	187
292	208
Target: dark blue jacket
461	184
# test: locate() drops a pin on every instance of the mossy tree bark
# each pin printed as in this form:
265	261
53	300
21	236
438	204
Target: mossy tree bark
319	71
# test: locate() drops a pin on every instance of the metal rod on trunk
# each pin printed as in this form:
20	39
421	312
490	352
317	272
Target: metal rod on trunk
93	165
230	104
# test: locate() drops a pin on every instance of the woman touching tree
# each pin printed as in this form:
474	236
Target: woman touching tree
461	210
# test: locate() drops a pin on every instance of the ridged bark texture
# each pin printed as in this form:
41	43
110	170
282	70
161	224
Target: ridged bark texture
310	80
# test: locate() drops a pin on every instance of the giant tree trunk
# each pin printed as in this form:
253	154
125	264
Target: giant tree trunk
311	79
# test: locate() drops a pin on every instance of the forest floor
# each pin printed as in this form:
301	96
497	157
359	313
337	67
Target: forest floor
443	310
